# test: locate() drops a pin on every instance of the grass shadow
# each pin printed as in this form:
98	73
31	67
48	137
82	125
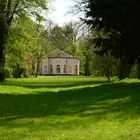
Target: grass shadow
59	84
122	100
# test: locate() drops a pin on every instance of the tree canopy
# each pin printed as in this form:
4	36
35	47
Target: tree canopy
25	47
118	27
10	9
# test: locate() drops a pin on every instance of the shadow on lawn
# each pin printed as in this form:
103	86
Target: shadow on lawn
120	99
52	85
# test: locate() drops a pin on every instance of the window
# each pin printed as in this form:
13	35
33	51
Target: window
58	68
45	70
76	69
51	69
40	70
64	68
70	69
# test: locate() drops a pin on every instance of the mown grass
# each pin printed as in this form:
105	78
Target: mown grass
69	108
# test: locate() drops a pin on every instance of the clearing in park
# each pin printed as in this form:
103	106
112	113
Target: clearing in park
69	108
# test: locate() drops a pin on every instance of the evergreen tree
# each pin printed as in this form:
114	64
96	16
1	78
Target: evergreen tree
118	21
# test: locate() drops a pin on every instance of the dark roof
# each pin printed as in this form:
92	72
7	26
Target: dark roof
65	57
58	53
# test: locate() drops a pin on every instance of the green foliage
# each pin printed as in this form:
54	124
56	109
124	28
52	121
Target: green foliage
105	65
87	54
64	38
9	9
60	108
19	7
24	46
117	26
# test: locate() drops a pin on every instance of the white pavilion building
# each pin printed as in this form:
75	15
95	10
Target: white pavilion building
59	63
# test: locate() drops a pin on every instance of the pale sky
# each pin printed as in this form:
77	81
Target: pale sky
59	10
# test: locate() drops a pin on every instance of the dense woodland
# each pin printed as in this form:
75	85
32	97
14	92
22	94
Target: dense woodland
106	41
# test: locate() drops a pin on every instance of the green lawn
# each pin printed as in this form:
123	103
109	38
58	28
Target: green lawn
69	108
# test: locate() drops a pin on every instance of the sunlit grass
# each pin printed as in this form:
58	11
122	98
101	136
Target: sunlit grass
69	108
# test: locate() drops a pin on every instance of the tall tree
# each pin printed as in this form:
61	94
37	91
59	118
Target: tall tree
10	9
64	37
25	46
105	65
87	52
119	21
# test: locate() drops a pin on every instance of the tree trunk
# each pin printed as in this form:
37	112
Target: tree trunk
139	70
18	71
108	77
108	72
87	70
37	68
124	68
33	69
3	37
2	62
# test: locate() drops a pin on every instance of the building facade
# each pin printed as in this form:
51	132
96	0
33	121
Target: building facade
59	63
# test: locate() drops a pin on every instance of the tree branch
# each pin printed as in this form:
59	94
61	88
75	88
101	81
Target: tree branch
13	12
8	8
